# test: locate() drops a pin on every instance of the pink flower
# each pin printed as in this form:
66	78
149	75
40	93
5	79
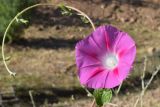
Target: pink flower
105	57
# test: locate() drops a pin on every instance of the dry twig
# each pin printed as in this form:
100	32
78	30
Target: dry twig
147	85
31	97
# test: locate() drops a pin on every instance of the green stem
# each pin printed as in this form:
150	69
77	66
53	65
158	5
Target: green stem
20	13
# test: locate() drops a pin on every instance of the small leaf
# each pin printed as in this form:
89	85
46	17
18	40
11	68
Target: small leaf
6	59
62	6
23	21
17	19
102	96
65	11
84	19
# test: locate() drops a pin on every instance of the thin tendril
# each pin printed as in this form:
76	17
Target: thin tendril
82	14
20	13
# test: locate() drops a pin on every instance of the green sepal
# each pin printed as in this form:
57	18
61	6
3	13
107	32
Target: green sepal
102	96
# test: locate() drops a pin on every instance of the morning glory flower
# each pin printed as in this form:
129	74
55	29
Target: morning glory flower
105	57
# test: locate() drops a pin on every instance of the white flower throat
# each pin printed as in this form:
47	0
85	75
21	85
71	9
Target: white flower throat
110	61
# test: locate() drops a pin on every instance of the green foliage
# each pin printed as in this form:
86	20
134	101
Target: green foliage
102	96
8	9
6	59
65	11
68	12
22	20
84	19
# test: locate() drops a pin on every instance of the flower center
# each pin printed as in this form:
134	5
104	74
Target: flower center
111	61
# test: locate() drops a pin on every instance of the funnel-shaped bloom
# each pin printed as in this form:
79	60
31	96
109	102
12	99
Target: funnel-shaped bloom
105	57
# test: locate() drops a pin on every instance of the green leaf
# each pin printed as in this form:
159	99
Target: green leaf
62	6
84	19
6	59
64	10
23	21
102	96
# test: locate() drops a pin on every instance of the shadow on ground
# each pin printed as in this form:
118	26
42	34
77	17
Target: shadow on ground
51	16
47	43
53	95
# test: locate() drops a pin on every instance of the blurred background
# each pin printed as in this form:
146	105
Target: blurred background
42	51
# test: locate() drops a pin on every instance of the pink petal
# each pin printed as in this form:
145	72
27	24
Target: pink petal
87	53
86	59
98	80
89	72
105	37
127	56
123	71
111	35
113	79
101	39
91	51
123	42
